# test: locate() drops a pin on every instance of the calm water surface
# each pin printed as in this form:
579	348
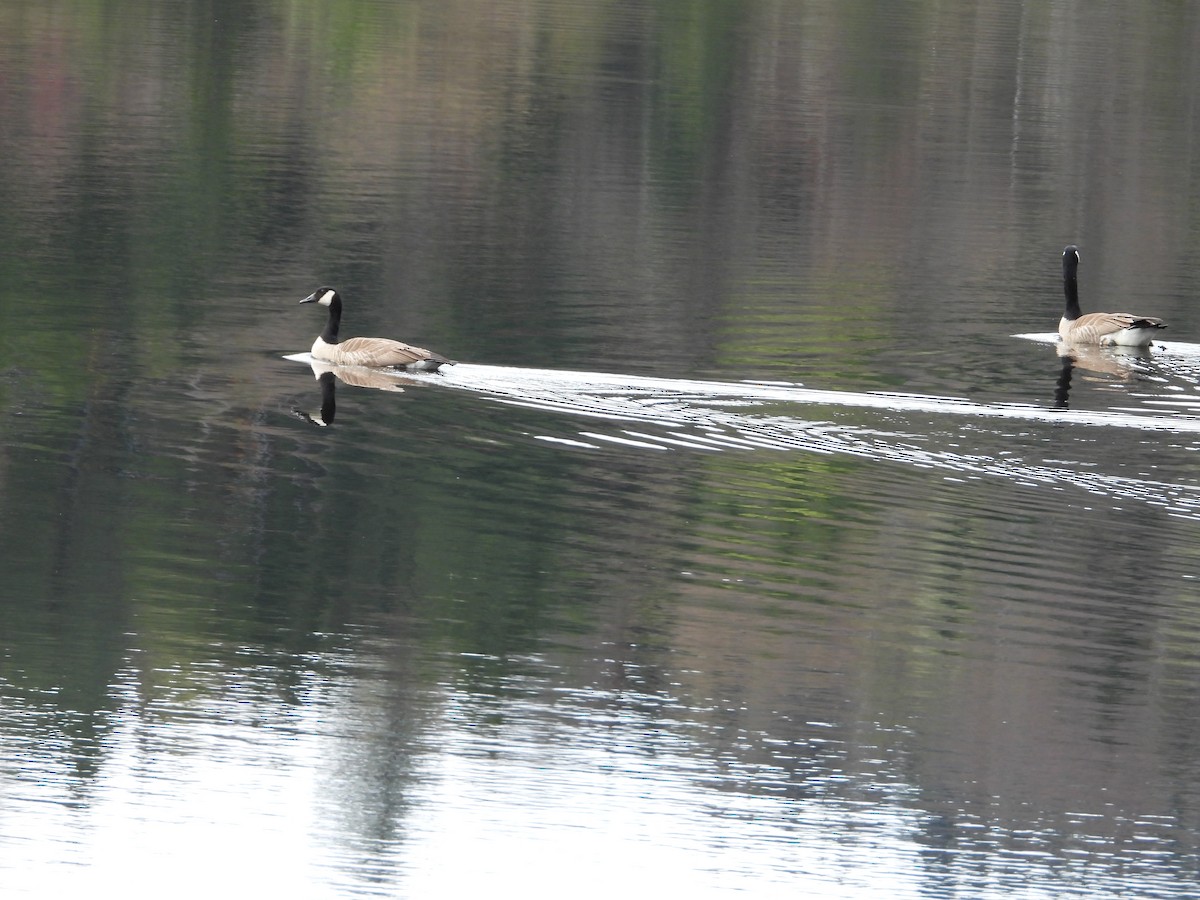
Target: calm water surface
748	549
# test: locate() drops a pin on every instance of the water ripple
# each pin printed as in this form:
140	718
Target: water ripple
1005	440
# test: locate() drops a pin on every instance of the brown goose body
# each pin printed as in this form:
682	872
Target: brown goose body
1105	329
372	352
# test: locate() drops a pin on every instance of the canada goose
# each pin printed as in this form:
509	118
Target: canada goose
1104	329
366	351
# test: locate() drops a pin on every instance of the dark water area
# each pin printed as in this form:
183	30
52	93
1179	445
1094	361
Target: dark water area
762	542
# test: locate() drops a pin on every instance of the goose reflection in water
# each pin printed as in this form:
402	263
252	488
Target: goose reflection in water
1125	363
327	377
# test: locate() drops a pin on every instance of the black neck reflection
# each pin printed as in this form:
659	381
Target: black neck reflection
1062	387
328	410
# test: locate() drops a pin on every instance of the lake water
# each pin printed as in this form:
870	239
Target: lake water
761	543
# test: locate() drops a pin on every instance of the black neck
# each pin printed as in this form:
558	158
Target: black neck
1071	289
330	334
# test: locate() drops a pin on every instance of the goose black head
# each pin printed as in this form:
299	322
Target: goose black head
324	296
1070	260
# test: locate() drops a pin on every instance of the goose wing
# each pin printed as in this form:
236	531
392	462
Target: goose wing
1094	327
367	351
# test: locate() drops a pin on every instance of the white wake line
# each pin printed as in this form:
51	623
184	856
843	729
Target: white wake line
563	389
699	418
723	429
558	389
715	429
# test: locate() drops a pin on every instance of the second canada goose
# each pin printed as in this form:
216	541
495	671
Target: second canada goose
366	351
1104	329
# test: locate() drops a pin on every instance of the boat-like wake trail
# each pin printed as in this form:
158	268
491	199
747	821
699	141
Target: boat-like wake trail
1033	445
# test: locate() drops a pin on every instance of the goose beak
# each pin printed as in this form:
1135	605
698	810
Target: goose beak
311	298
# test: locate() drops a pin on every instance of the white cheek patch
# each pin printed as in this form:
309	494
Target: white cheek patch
326	298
